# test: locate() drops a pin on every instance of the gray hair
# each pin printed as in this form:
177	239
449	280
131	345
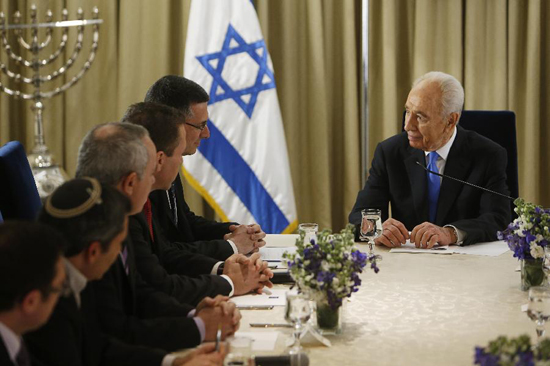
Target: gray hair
111	151
452	92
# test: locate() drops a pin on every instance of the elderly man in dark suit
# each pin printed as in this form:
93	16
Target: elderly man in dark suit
32	273
436	210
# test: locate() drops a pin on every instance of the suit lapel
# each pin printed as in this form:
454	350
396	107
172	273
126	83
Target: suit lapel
417	179
457	166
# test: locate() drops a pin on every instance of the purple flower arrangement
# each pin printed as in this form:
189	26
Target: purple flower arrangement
514	352
528	234
328	268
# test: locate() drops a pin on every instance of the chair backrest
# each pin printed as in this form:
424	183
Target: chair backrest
19	198
499	126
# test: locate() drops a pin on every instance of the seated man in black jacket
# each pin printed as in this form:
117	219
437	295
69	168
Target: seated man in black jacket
178	222
94	221
122	155
32	273
166	128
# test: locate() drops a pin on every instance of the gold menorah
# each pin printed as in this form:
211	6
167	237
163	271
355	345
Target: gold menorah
47	174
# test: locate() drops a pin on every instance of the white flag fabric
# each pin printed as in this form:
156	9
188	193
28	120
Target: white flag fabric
242	170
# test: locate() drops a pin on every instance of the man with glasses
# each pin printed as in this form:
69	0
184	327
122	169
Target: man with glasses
32	273
178	222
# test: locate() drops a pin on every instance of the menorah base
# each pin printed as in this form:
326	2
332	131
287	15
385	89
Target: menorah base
48	179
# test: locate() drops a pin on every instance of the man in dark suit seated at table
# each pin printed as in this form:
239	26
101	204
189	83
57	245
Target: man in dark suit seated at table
178	222
167	130
32	273
123	156
436	210
94	221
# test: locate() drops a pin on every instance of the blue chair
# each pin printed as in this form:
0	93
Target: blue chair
19	198
499	126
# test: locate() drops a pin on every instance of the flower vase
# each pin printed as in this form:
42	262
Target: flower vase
532	273
329	320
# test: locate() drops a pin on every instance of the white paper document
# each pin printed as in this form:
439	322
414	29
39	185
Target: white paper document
277	298
280	240
261	341
491	249
275	253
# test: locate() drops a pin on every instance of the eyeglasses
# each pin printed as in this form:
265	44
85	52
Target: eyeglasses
200	127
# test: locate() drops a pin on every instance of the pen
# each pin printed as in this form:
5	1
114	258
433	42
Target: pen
254	307
218	337
270	325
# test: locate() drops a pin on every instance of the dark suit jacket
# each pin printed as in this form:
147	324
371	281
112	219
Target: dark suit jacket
395	178
131	310
4	356
200	235
72	338
164	265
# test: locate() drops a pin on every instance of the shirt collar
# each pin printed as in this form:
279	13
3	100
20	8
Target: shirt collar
11	340
443	151
76	280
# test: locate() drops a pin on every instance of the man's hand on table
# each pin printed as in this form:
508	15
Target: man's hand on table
394	234
247	274
205	355
425	235
247	238
218	311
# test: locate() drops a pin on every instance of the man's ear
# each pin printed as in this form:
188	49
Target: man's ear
92	253
127	184
453	119
161	158
31	301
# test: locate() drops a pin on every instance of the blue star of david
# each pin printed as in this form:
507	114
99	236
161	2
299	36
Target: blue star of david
220	89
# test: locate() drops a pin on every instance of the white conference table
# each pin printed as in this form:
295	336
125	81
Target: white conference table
420	309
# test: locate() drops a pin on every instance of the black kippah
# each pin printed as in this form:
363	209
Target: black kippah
74	198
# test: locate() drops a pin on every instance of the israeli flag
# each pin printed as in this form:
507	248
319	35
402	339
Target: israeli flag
242	170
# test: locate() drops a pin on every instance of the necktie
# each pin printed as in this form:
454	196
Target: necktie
433	185
124	257
23	358
173	207
149	216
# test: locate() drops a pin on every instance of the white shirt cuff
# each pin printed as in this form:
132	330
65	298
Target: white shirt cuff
235	249
231	283
168	360
214	270
460	234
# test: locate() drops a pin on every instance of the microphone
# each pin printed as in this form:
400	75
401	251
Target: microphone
282	360
464	182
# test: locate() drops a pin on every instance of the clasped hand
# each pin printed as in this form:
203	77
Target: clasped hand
248	274
247	238
425	235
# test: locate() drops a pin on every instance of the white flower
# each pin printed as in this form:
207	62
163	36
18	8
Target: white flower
536	250
325	266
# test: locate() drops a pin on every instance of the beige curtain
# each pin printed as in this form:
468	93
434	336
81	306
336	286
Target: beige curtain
498	49
314	47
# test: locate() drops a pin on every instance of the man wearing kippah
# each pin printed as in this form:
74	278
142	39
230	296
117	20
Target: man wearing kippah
94	220
30	285
177	221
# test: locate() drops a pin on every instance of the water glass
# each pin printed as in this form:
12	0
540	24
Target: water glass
240	351
538	309
298	311
371	227
310	231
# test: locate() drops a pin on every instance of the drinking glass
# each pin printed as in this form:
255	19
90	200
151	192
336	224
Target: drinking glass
298	311
310	231
371	227
240	351
538	309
